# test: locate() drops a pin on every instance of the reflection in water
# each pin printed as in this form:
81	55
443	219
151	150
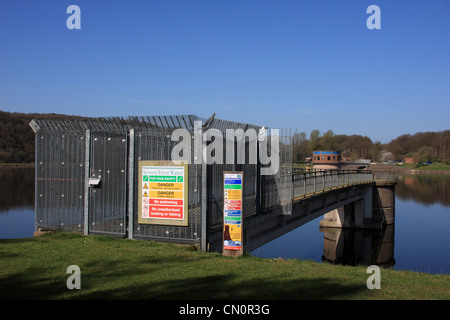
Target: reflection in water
16	203
359	246
17	188
426	189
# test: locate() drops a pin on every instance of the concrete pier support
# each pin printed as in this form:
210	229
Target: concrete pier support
375	210
383	208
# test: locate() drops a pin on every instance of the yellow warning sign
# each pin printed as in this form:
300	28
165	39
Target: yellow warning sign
163	193
166	194
233	194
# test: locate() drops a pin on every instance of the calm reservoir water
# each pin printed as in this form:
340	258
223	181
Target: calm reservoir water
419	241
16	203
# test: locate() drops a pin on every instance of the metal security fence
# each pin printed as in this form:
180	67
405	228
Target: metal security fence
87	174
108	200
277	189
215	172
60	161
152	141
68	155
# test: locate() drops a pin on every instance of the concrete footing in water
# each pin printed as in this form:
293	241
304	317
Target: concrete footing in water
359	246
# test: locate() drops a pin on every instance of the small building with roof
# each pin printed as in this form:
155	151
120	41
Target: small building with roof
326	159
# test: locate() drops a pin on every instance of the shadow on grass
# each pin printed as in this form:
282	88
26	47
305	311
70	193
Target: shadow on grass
31	285
215	287
162	276
227	287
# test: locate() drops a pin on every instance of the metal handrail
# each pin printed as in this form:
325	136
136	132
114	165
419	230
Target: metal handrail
312	182
287	186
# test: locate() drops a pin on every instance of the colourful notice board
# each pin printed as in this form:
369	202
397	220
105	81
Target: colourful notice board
163	193
232	211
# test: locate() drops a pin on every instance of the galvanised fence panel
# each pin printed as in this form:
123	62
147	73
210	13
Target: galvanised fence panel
108	199
276	191
59	180
152	141
215	171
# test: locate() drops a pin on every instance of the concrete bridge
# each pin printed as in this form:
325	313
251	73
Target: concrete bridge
346	199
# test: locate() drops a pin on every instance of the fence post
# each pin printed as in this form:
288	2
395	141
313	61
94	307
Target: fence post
36	128
293	184
323	180
131	186
204	199
304	183
315	175
86	181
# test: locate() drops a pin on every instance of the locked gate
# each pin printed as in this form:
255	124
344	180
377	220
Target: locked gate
108	183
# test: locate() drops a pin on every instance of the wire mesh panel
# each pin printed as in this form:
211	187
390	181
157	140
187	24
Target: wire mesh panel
108	199
277	189
153	142
60	180
241	138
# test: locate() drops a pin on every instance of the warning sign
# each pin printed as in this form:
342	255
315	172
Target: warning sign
232	211
163	193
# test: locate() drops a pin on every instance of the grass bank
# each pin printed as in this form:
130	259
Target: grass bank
36	268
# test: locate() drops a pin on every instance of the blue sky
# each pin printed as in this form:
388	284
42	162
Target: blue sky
299	64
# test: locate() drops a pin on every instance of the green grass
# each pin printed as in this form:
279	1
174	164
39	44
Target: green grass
35	268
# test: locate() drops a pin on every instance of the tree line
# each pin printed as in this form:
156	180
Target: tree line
351	146
17	142
16	136
422	146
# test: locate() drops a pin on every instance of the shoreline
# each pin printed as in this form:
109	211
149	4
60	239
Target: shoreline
405	171
16	165
438	172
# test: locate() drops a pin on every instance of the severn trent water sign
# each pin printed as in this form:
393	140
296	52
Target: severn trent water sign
163	193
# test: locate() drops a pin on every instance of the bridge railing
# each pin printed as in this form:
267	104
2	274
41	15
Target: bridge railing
385	175
311	182
287	186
